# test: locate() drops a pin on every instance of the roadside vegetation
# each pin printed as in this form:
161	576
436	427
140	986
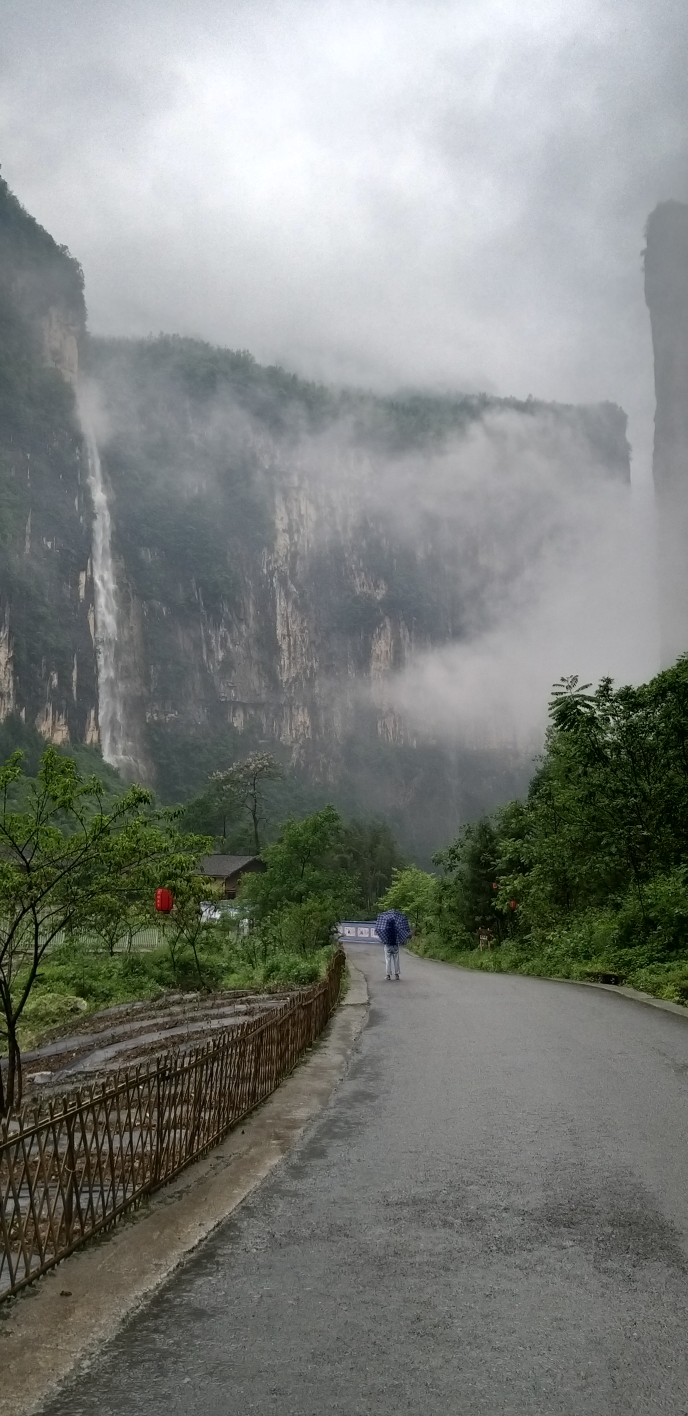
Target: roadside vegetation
81	859
588	877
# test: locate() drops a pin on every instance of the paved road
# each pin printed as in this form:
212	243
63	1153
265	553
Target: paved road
490	1217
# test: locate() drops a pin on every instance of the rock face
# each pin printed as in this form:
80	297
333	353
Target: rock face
47	663
285	549
666	292
280	549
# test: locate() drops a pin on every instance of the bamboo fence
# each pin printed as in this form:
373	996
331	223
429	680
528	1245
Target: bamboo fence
70	1168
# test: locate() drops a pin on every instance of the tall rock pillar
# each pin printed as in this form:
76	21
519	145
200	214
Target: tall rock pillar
666	292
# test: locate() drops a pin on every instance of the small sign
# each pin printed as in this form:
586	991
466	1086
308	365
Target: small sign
362	931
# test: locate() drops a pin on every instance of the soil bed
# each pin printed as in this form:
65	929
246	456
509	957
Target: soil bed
134	1033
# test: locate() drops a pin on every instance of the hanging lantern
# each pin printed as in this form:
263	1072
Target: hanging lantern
164	900
495	886
512	904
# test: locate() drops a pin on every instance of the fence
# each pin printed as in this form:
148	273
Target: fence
70	1168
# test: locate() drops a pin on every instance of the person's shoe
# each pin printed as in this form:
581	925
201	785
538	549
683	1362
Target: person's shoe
397	978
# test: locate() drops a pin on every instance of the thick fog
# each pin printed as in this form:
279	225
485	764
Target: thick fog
549	555
497	554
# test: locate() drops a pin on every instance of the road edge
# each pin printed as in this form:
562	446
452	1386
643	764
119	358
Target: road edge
635	994
59	1323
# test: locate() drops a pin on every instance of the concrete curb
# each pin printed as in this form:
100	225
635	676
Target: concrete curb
618	988
63	1319
633	993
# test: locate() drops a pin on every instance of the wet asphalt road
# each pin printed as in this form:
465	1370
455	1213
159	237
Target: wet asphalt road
490	1217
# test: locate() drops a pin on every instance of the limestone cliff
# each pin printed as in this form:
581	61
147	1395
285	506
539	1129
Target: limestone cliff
280	549
666	290
47	664
283	549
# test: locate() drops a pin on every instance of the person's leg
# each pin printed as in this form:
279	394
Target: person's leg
388	961
396	962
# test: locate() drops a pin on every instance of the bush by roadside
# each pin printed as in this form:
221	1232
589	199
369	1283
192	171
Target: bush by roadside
75	979
280	935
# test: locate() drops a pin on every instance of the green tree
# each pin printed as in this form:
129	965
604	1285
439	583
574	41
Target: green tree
61	853
235	794
371	853
608	808
115	916
187	927
471	884
304	879
604	826
415	893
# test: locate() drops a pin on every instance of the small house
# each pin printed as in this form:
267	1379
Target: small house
227	870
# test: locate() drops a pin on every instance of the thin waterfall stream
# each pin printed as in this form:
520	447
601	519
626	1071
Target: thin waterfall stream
110	699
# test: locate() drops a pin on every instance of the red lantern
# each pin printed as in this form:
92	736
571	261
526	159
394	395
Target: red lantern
495	886
512	904
164	900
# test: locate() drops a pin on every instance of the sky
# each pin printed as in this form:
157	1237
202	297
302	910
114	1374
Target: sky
425	193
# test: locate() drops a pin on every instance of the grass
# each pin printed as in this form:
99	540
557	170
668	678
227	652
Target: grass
76	978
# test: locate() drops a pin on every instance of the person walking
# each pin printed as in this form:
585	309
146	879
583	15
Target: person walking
393	929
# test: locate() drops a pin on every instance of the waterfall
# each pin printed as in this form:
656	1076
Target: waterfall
113	738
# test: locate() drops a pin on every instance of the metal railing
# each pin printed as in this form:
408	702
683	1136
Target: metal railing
70	1168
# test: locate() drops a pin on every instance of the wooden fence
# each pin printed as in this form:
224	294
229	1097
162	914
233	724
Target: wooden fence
70	1168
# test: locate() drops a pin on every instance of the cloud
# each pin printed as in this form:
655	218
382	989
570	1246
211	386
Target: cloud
589	608
431	192
546	568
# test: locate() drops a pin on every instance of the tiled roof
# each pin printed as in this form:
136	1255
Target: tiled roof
223	865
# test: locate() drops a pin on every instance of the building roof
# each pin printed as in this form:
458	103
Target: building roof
220	866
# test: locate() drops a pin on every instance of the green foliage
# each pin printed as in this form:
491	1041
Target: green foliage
186	930
294	905
46	1011
416	894
469	889
235	805
304	863
239	792
608	809
371	854
312	878
79	976
596	858
65	858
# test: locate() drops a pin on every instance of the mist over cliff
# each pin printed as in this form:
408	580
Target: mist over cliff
666	292
365	583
